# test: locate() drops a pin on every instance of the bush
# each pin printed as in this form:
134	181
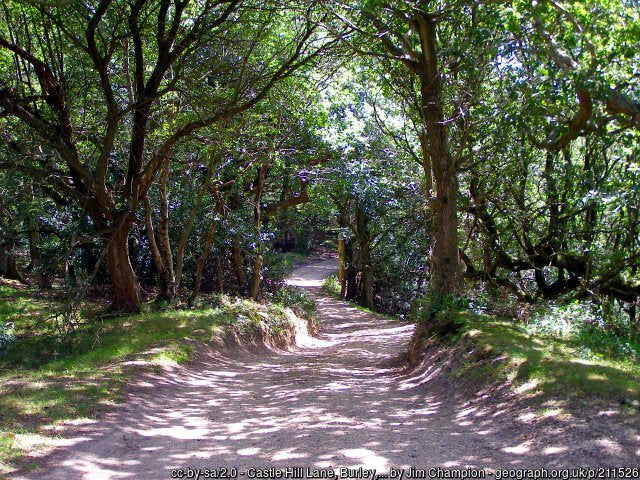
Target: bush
597	329
332	286
297	300
277	268
7	336
424	308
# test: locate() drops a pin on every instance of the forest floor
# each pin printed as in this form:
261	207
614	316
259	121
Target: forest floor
339	399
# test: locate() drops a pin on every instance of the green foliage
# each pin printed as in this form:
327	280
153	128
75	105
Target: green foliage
599	331
7	336
563	351
277	267
332	286
297	300
544	365
41	384
425	307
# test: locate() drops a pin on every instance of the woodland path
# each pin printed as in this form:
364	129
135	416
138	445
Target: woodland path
335	400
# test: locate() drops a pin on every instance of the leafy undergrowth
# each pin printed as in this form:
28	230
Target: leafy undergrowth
331	286
539	366
48	377
290	259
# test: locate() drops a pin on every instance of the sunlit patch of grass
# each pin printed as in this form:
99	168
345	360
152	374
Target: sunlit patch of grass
331	285
290	259
173	354
16	304
549	365
8	449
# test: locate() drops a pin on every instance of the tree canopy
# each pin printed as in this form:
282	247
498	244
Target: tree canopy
178	144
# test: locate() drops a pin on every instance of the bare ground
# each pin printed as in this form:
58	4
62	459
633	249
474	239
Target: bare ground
335	400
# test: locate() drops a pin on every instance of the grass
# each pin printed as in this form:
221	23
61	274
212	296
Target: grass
296	299
47	378
331	286
540	365
291	259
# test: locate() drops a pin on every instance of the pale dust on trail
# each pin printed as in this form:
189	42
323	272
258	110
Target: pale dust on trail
336	400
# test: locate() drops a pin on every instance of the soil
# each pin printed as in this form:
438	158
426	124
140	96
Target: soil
338	399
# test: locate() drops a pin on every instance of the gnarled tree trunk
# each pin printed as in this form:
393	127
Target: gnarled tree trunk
8	267
126	289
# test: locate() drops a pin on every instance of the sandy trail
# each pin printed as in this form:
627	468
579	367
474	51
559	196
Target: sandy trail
336	401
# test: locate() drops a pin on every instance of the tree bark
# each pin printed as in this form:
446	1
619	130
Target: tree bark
163	277
364	241
167	277
202	260
342	277
188	226
35	253
257	269
445	262
351	272
8	266
208	243
126	289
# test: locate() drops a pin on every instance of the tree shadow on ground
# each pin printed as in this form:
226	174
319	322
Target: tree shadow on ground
336	401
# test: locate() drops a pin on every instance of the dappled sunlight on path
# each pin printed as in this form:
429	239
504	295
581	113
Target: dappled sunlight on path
336	400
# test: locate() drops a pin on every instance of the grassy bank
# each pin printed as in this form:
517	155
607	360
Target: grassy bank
539	365
69	367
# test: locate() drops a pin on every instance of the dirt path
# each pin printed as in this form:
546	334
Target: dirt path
336	401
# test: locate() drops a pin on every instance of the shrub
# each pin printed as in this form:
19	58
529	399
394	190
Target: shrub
332	286
597	329
7	336
297	300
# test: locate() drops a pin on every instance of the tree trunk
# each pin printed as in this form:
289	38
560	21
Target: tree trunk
164	283
367	286
222	211
197	281
364	241
351	271
126	289
342	277
167	277
236	265
219	275
34	252
8	267
188	226
445	262
257	269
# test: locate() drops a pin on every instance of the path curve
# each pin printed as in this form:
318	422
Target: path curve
335	401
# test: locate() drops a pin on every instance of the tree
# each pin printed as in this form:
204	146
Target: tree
414	34
105	145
